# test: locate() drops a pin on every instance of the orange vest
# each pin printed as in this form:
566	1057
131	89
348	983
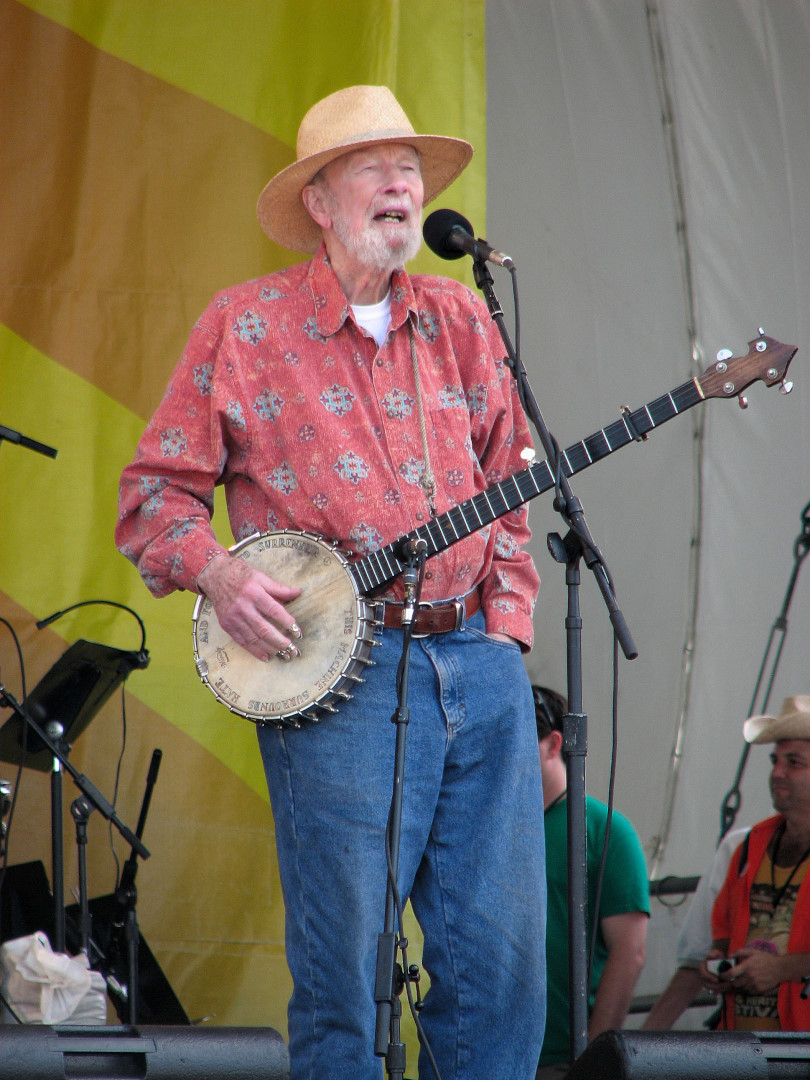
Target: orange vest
730	919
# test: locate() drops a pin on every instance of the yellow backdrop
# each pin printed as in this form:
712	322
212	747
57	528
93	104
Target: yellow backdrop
134	140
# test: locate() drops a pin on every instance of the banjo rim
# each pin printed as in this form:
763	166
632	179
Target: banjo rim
368	614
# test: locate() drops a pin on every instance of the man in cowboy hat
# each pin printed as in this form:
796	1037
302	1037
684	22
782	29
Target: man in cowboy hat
343	397
761	917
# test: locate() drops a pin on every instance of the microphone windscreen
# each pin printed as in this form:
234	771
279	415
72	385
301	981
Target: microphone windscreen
438	228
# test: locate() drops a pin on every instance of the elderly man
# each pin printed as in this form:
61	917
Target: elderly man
344	398
761	917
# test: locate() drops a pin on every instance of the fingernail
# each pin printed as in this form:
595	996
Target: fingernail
295	630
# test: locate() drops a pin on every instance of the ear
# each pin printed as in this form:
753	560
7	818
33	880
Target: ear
554	740
550	746
312	197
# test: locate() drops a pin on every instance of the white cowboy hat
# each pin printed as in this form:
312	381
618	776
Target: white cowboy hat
349	120
793	722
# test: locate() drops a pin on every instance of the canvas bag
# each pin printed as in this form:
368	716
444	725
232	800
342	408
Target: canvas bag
44	987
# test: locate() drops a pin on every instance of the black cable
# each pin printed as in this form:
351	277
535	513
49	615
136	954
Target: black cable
21	762
609	818
117	782
85	603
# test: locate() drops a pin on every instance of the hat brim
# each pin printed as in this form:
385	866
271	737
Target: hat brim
284	217
771	729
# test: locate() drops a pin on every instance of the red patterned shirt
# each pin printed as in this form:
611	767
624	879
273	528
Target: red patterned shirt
281	396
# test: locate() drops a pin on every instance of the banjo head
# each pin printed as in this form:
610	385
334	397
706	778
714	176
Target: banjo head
337	626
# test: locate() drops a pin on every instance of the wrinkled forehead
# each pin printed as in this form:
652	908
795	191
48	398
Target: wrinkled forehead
382	152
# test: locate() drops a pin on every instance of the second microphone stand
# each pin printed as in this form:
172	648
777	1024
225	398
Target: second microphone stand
577	545
390	976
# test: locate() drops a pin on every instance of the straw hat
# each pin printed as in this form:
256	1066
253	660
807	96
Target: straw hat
349	120
793	722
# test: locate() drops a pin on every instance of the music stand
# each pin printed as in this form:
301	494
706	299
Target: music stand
63	703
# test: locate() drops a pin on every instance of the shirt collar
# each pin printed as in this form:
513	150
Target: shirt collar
331	306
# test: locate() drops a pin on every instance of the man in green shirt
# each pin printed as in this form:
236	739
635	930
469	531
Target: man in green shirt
624	904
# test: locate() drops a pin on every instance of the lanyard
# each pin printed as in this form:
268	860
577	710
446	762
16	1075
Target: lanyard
778	894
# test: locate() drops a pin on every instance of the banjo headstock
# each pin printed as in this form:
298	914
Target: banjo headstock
766	360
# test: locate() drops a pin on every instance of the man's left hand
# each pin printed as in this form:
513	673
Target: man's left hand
756	972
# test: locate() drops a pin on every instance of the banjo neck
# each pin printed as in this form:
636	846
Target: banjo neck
766	359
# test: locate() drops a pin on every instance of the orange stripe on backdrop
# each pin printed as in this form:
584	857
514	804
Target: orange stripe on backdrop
109	251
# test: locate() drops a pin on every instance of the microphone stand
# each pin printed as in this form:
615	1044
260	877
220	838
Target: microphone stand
126	896
577	544
733	799
10	435
55	729
89	800
390	978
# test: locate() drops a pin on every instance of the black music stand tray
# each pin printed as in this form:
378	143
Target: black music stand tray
70	694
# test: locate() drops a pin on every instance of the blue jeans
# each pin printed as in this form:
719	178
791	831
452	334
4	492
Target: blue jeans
471	860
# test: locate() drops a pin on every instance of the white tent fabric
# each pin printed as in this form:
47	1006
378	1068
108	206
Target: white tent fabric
648	168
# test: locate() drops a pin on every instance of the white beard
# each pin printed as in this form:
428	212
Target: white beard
377	248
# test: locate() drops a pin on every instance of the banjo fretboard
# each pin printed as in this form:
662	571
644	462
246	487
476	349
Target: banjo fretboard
766	359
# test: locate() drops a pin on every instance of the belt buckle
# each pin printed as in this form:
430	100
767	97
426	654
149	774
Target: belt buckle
459	609
421	604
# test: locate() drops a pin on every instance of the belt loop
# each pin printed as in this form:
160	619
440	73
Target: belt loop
475	596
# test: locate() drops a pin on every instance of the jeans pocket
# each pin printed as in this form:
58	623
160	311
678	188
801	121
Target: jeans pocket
482	635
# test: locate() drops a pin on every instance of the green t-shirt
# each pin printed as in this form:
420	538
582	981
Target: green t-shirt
624	889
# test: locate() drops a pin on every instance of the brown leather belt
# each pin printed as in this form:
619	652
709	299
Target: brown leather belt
438	618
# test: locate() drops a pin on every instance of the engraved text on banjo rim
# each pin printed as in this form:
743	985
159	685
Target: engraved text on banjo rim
327	611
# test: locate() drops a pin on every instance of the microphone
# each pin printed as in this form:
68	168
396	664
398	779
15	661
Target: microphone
449	235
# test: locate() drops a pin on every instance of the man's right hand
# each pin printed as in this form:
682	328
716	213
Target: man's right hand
250	606
716	984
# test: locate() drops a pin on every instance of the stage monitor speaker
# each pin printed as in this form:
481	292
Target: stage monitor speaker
39	1052
695	1055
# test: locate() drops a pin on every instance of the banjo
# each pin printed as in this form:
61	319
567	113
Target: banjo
335	611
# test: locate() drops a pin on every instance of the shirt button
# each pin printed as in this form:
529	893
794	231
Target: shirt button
428	574
379	361
420	516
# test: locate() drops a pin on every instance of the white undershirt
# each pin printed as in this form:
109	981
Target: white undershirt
375	317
